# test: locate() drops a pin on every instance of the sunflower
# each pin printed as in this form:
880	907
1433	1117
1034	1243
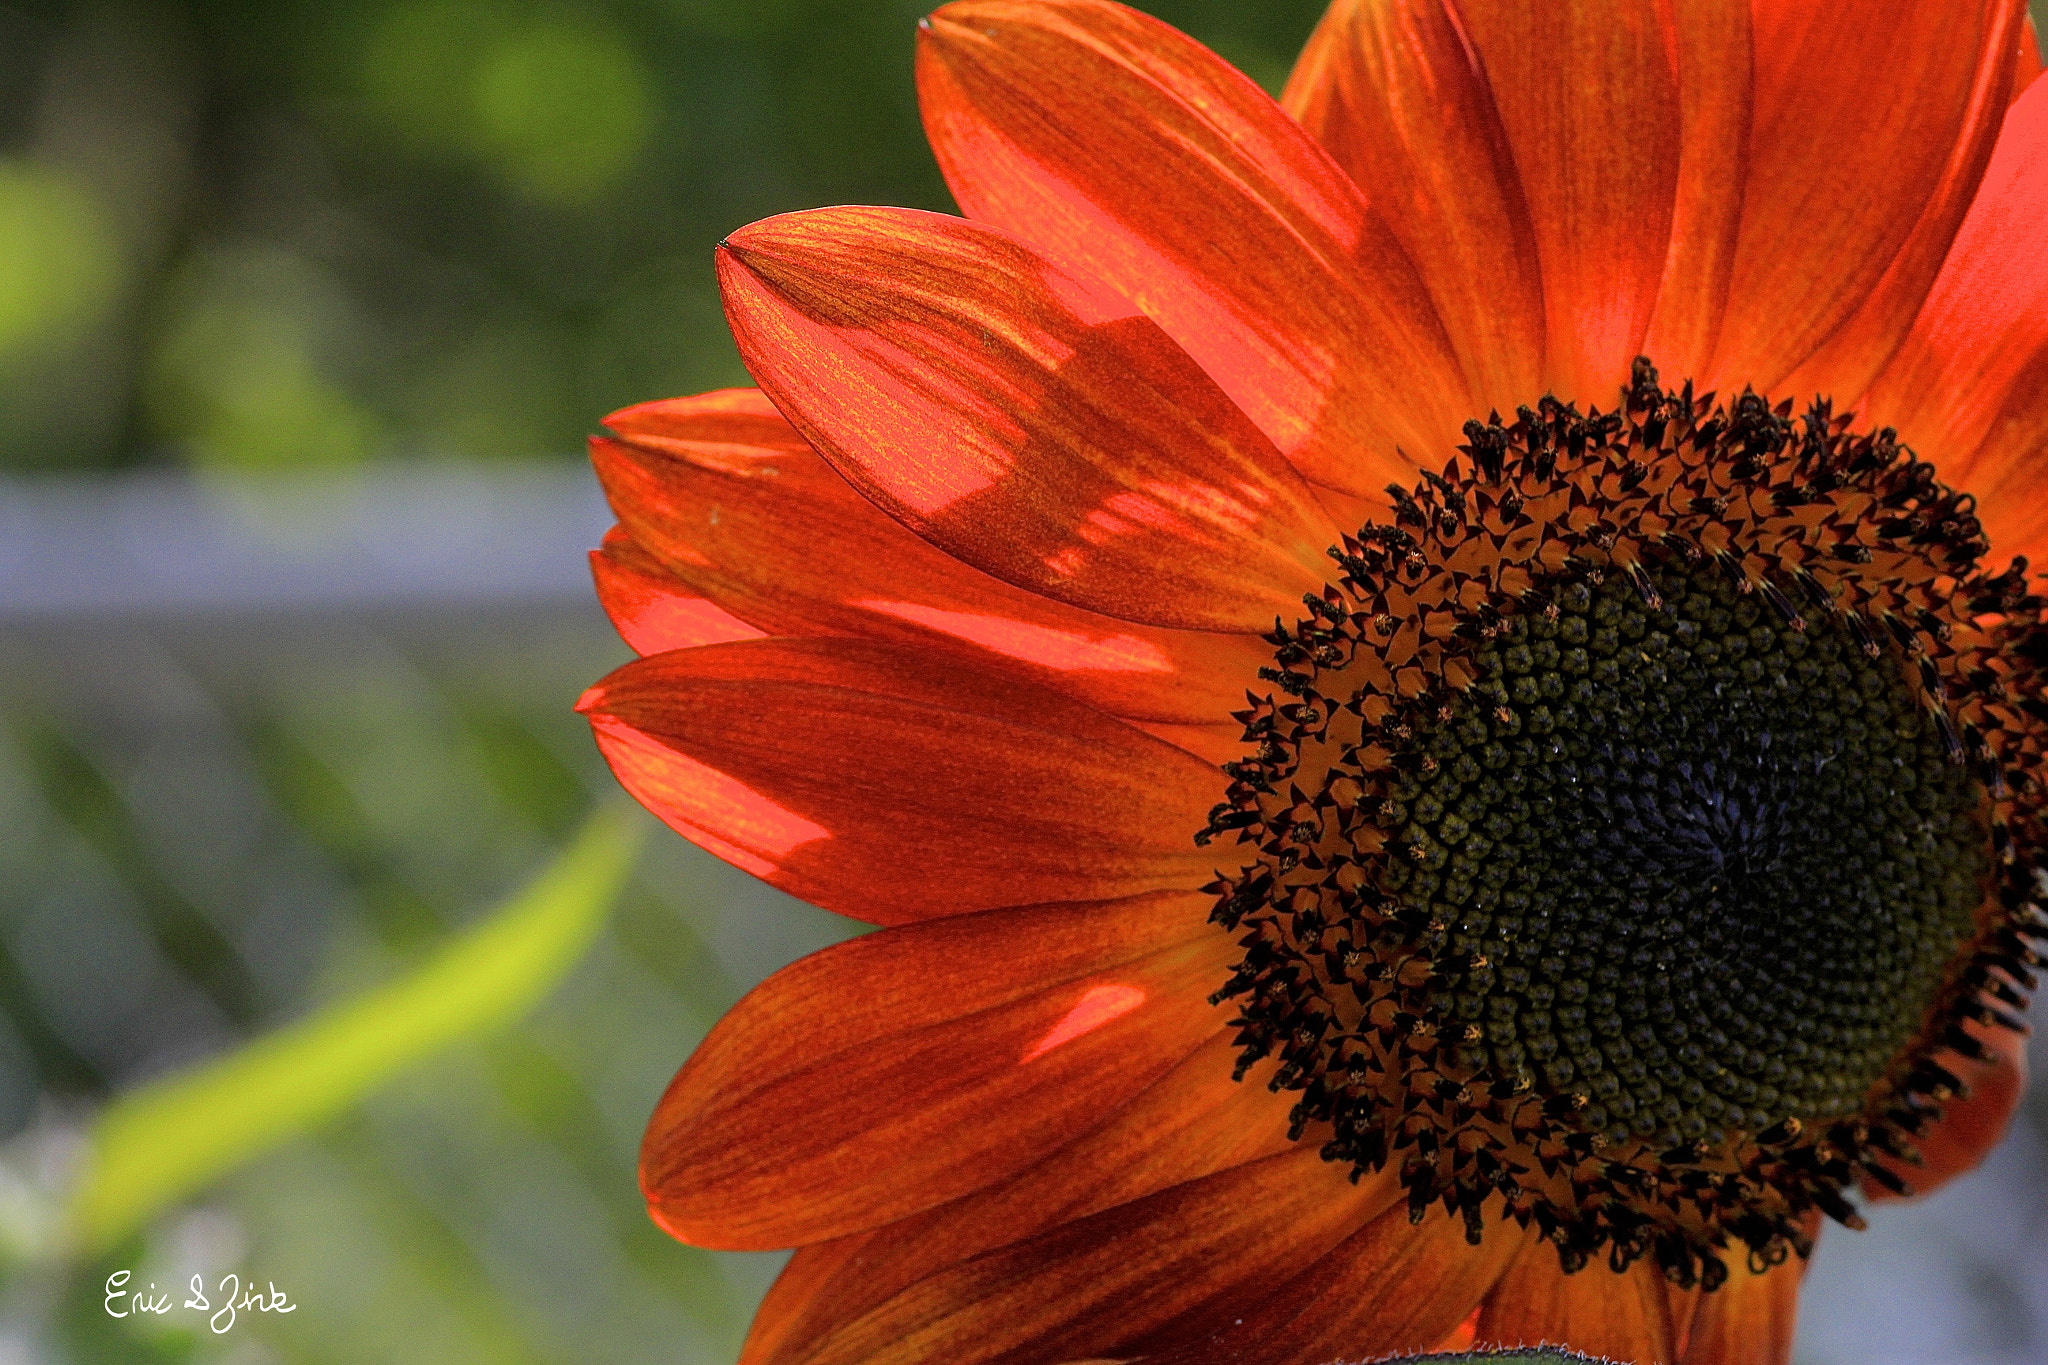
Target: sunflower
1436	684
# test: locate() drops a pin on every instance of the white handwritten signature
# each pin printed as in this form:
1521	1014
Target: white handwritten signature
236	1298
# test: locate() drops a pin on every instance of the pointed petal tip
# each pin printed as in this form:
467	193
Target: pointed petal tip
950	29
698	416
958	16
748	241
660	1215
736	250
626	422
763	245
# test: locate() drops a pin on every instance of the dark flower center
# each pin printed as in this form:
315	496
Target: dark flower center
1640	813
1698	868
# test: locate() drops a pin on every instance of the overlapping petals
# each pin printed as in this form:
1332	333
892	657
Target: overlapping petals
1829	267
1393	1288
1209	209
2013	508
652	611
733	506
1598	158
1126	1281
810	762
1971	380
1024	421
1664	199
1190	1124
1540	210
1712	42
1630	1316
951	1054
1400	99
787	1322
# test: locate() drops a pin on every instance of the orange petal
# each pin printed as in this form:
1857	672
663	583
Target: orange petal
735	430
1630	1316
1134	156
893	785
2008	469
1983	331
1971	1126
1461	1337
1410	1286
1032	425
1714	88
1851	201
1128	1280
1217	744
1749	1320
1588	98
1395	93
757	522
1856	352
650	609
903	1069
1190	1124
805	1280
1391	1289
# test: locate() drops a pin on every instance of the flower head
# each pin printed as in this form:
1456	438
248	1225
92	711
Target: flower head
1440	691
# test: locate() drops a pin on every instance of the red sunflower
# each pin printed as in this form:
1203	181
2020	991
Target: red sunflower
1442	753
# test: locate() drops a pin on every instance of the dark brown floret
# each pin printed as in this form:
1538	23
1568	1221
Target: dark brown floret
1634	821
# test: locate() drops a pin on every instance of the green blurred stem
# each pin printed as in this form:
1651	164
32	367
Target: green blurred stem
157	1145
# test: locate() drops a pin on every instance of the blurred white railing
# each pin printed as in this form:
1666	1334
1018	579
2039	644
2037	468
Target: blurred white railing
163	543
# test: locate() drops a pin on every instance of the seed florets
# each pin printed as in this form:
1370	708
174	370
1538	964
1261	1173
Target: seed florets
1697	867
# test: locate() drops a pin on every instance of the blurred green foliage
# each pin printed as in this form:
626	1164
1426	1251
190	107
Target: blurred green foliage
166	1141
60	260
246	235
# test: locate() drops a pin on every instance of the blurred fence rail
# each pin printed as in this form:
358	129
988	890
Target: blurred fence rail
412	537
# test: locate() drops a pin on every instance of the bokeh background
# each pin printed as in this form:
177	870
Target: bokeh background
304	311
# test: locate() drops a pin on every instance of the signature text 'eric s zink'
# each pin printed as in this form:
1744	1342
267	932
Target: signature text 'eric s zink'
235	1298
